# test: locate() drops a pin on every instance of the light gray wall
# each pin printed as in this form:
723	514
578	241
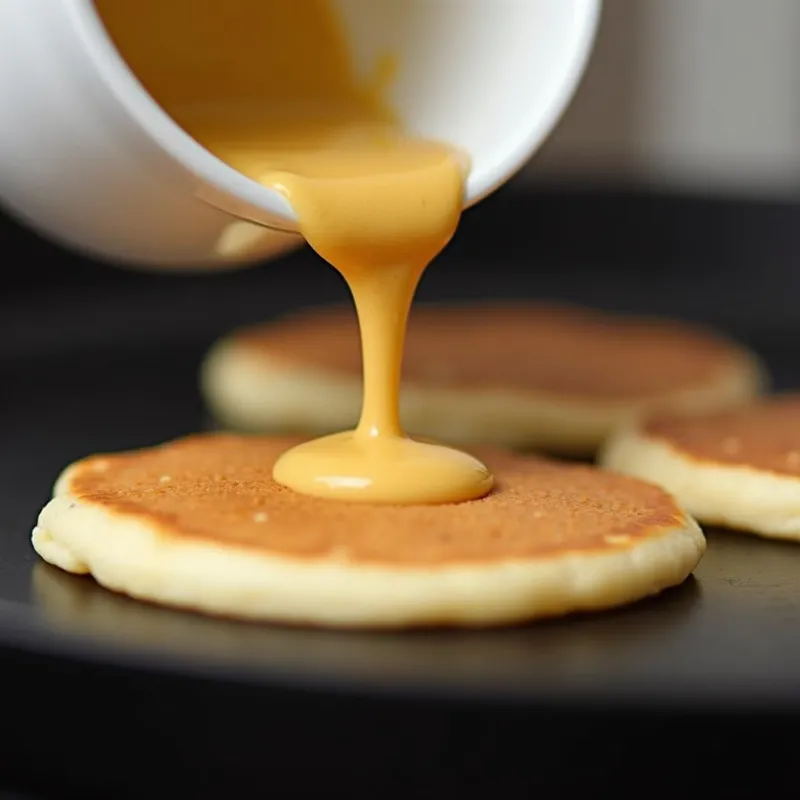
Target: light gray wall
697	94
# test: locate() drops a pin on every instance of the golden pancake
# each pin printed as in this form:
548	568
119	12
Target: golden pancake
738	468
538	375
199	523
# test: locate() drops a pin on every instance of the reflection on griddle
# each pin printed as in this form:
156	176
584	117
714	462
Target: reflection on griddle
756	573
577	651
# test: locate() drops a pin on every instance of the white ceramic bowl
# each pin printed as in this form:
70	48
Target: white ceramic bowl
89	159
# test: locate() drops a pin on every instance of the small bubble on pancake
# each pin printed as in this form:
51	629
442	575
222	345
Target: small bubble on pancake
731	445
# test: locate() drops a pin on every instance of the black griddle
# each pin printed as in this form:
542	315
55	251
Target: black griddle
101	694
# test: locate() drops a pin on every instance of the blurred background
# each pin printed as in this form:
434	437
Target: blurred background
689	95
670	187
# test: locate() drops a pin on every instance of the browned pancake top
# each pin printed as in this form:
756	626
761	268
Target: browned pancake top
562	350
764	436
219	488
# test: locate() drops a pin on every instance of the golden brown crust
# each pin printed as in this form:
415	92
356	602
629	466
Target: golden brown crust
764	436
219	488
561	350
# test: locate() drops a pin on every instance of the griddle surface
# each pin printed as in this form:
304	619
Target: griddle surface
729	637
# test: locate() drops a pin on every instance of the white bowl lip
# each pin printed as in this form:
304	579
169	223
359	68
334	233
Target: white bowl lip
207	169
541	122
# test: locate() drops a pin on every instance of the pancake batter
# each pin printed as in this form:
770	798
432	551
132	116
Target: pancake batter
285	108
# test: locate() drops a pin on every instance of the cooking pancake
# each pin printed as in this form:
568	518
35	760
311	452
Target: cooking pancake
200	524
541	376
739	469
